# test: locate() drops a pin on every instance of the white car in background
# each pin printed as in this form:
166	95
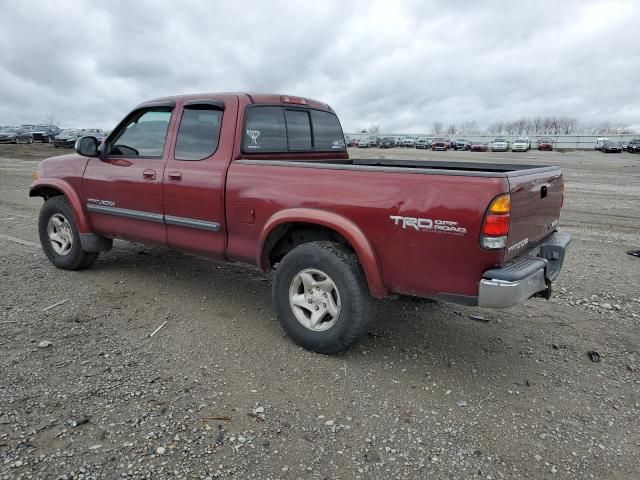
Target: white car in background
363	142
409	142
500	145
521	145
600	143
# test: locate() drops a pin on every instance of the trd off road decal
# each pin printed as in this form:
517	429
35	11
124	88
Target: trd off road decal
254	135
429	225
337	145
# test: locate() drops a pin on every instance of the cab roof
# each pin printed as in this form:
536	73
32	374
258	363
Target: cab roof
255	98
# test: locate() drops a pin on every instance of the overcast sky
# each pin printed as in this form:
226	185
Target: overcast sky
402	65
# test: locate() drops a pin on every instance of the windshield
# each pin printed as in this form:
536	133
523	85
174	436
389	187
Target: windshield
520	141
545	140
10	130
500	140
69	133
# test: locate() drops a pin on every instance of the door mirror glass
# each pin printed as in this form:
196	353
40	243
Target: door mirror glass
87	146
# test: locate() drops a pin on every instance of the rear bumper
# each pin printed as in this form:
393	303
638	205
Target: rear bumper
530	274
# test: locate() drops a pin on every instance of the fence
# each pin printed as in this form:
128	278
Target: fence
561	142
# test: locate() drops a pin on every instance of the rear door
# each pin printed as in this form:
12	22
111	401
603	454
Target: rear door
195	175
123	187
536	200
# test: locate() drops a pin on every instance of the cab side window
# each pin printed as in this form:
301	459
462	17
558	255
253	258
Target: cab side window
199	132
144	135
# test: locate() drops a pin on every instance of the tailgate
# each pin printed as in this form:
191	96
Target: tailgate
536	200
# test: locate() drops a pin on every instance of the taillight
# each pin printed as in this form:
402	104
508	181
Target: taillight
495	228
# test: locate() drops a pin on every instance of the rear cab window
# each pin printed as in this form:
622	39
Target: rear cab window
284	129
199	132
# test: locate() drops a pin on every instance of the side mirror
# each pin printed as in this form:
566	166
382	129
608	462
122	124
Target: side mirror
87	146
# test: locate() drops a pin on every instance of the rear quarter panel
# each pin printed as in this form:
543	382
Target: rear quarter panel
421	263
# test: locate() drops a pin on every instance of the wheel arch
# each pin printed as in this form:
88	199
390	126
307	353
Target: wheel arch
324	225
56	187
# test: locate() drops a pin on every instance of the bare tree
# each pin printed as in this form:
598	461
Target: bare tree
451	129
537	126
49	119
495	128
437	127
373	128
468	128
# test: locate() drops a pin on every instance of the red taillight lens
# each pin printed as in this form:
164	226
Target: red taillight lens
496	225
495	228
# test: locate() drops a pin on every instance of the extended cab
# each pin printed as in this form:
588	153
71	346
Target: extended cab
266	180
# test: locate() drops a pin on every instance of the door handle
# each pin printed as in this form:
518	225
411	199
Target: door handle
149	174
175	176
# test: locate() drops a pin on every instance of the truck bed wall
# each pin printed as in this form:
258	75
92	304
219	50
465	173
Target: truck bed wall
413	262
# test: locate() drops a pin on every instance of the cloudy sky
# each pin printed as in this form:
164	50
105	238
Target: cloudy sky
402	65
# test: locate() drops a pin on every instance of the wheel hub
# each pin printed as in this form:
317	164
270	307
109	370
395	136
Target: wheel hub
60	234
314	299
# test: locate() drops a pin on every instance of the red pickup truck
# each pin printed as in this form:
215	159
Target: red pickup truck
266	180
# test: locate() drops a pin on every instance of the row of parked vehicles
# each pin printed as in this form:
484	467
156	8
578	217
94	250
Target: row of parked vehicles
47	134
443	144
606	145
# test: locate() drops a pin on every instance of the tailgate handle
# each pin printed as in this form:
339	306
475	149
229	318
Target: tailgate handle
543	191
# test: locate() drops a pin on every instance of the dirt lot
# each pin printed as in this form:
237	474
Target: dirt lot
219	392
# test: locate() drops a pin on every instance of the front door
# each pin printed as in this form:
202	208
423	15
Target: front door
195	174
123	187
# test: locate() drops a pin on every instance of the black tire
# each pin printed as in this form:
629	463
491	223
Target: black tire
343	268
75	258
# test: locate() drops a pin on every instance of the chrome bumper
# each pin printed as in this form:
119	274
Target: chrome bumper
529	274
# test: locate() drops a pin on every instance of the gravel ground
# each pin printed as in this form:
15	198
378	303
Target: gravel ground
219	392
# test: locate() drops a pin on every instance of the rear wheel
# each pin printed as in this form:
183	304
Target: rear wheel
321	297
59	236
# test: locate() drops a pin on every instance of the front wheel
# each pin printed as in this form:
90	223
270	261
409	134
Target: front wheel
59	236
321	297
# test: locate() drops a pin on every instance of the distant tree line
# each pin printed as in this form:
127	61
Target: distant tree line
550	125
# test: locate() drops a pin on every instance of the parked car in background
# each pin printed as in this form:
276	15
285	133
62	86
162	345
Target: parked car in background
423	143
67	138
520	145
612	146
44	133
600	142
545	143
363	142
461	144
478	146
409	142
633	146
387	142
500	145
439	144
15	135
